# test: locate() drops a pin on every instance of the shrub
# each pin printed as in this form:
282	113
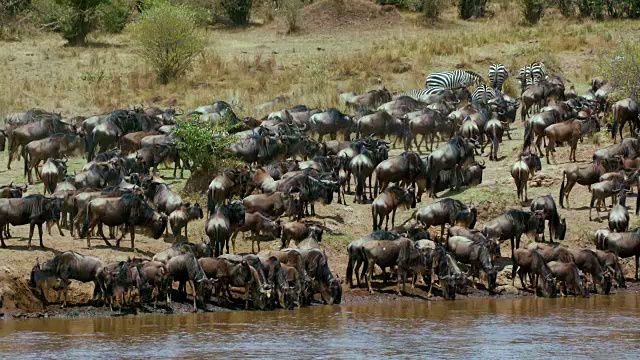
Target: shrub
532	11
168	39
238	11
9	9
431	9
468	9
115	15
75	19
204	144
621	67
592	8
291	12
567	7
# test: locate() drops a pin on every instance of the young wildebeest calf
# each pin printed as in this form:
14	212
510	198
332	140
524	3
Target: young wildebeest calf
557	226
569	275
256	222
530	262
180	218
387	202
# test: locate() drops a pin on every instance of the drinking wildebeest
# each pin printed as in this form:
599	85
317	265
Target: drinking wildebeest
153	274
276	277
454	155
130	210
446	211
570	276
256	223
588	262
34	210
624	244
412	258
222	223
610	261
70	265
449	275
512	224
557	225
186	268
552	252
388	202
478	255
323	280
526	261
619	215
180	218
52	171
298	231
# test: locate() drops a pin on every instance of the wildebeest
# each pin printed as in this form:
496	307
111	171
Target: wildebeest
273	205
180	218
623	244
130	210
569	275
388	202
446	211
619	215
526	261
56	147
494	131
520	174
161	196
455	155
581	174
602	190
52	171
371	99
357	256
222	223
512	224
588	262
34	209
610	261
625	110
186	268
298	231
330	121
24	134
478	255
406	167
449	275
255	223
569	131
557	225
70	265
323	280
224	186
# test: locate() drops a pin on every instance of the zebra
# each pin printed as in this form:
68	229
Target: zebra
453	79
531	74
497	75
420	94
482	94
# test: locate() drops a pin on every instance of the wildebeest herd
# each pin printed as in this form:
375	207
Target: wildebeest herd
288	167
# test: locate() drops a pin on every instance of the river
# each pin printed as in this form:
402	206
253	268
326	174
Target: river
598	327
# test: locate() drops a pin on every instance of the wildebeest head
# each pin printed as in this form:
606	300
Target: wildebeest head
539	218
234	212
51	208
549	285
158	224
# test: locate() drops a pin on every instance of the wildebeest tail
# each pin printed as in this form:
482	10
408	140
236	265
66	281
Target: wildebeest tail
26	162
519	183
564	175
495	143
614	127
373	216
211	202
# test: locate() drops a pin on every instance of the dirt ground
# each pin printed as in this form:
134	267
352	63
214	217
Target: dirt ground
358	48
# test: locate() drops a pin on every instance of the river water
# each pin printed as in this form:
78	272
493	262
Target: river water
598	327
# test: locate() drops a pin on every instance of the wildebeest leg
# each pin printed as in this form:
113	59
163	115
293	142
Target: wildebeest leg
31	235
65	287
40	234
369	276
393	219
195	297
430	282
402	279
637	263
2	244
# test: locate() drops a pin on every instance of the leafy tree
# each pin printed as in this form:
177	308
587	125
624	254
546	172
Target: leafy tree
621	67
169	39
77	18
238	11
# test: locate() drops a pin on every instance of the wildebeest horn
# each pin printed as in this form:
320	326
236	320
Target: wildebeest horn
11	184
481	165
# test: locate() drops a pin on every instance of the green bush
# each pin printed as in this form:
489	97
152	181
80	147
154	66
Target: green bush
115	15
74	19
9	10
204	144
431	9
532	10
567	7
468	9
168	39
621	67
592	8
238	11
290	10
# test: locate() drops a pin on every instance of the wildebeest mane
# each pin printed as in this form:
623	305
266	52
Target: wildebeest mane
519	219
383	235
34	204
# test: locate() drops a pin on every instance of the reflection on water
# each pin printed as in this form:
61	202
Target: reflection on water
598	327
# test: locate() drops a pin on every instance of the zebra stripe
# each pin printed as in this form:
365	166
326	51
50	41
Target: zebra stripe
483	93
453	79
420	94
532	74
497	75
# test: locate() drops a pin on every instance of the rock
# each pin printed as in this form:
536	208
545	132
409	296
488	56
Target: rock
507	290
504	276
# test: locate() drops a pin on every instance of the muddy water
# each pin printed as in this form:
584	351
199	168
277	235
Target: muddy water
599	327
